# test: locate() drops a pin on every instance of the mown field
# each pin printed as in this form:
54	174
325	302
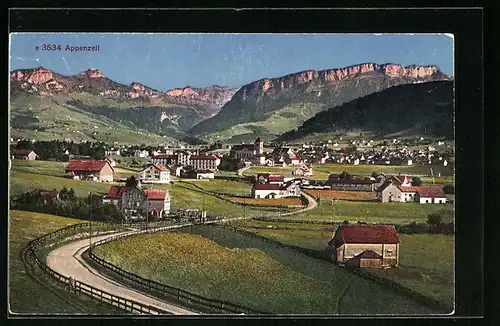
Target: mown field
375	212
27	295
21	182
190	198
225	265
227	187
426	260
282	202
342	195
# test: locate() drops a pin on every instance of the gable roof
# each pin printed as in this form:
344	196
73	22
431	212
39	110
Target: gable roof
279	178
160	167
87	165
206	157
22	152
266	186
434	192
368	254
349	181
372	234
204	171
258	140
115	192
243	147
156	194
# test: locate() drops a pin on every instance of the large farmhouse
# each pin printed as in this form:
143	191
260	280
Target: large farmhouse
183	158
276	190
362	245
154	173
135	201
94	170
350	184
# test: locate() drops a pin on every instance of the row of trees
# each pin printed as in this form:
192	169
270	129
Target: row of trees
68	205
56	149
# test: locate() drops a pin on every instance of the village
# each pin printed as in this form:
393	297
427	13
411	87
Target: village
141	197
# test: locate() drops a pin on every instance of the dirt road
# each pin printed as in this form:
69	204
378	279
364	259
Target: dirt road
311	204
67	261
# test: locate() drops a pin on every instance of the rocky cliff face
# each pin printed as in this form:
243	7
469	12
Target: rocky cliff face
306	93
44	82
275	85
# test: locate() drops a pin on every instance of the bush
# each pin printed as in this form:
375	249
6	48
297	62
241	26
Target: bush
416	182
449	189
434	219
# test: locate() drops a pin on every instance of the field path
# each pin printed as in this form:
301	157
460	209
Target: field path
67	261
311	204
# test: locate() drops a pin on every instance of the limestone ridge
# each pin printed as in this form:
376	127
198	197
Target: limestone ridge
44	82
317	90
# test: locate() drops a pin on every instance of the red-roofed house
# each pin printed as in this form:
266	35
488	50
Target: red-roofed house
95	170
424	195
276	179
268	190
154	173
135	201
364	245
23	154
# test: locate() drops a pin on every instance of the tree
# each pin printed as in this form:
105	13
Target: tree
434	219
71	194
416	182
63	194
374	174
449	189
131	182
344	175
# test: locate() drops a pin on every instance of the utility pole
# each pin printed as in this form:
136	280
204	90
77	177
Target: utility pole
147	210
90	224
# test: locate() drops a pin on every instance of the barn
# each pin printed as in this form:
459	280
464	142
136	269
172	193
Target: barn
363	245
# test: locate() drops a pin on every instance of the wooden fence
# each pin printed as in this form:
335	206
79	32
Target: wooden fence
32	250
327	256
180	295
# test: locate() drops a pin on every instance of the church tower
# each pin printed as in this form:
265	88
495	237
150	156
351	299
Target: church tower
259	146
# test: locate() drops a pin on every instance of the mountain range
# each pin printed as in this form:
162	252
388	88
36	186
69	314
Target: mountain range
90	106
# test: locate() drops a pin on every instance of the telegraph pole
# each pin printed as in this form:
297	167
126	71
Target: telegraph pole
244	206
147	210
90	224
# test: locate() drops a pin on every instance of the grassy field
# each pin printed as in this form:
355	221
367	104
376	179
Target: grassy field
426	260
190	198
321	171
340	194
374	212
366	170
21	182
51	168
282	202
225	265
227	187
26	295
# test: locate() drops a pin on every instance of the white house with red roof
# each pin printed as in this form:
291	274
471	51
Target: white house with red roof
23	154
154	173
94	170
135	202
425	195
364	245
205	174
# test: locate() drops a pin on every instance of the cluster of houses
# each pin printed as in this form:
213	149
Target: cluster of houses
199	165
253	154
275	186
400	189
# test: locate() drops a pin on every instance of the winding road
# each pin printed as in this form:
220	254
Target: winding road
67	260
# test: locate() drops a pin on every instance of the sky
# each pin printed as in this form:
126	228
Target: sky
166	61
